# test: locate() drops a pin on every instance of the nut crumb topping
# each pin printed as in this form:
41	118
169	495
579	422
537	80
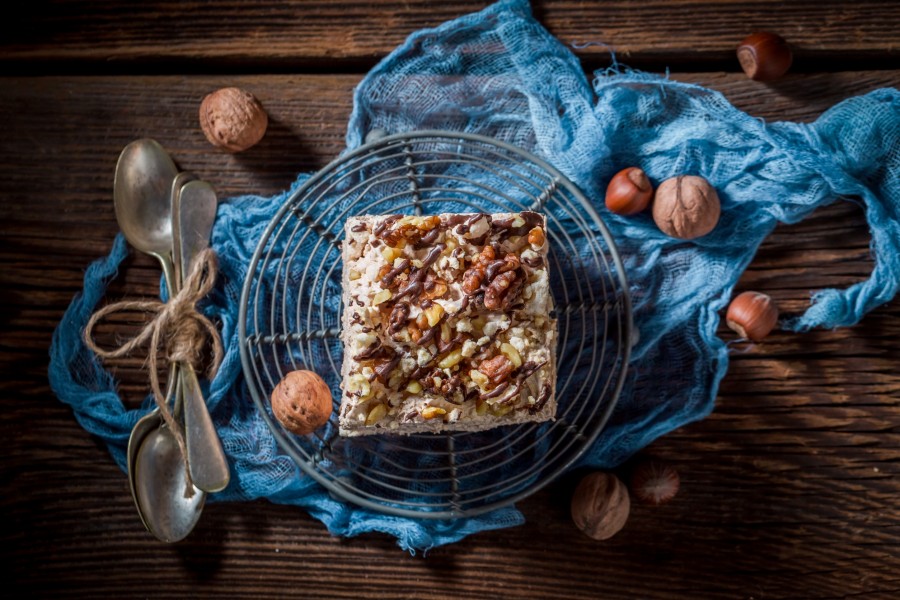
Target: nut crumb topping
440	295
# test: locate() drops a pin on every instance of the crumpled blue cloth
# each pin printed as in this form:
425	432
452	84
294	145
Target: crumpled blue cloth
500	74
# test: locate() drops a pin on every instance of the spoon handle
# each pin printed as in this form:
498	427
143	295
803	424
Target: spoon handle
173	286
177	235
206	457
168	269
194	211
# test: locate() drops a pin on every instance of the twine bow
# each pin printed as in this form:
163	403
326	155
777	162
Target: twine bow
179	328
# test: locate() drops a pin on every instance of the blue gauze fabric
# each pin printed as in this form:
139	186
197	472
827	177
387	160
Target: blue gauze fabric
500	74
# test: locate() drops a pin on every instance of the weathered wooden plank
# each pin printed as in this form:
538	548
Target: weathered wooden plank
231	35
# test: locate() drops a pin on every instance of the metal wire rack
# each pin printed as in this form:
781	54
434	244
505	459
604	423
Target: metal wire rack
291	306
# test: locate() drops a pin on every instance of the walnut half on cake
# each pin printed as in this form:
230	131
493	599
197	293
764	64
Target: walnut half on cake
446	323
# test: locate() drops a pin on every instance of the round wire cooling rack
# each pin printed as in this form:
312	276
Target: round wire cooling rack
291	307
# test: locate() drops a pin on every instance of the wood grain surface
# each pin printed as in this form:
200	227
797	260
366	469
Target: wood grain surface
789	489
322	34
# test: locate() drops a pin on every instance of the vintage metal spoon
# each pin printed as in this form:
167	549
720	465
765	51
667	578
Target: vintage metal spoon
142	194
193	212
142	191
145	426
161	480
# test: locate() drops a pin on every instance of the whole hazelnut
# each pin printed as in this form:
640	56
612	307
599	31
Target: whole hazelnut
233	119
654	482
302	402
629	191
600	505
752	315
686	207
764	56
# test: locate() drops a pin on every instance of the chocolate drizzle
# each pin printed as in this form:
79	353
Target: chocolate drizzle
399	317
419	373
503	228
450	387
429	335
385	224
412	290
444	346
502	223
521	375
493	268
433	255
528	369
465	222
495	392
391	275
429	238
532	219
480	240
417	276
376	350
383	371
541	401
359	228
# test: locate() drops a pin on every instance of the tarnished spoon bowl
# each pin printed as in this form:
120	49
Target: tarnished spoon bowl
160	478
142	195
145	425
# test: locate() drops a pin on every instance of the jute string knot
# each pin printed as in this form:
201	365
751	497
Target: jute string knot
177	329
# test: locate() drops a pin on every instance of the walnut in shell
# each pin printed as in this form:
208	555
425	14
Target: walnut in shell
686	207
302	402
600	505
233	119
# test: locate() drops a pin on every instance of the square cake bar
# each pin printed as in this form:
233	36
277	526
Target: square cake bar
446	323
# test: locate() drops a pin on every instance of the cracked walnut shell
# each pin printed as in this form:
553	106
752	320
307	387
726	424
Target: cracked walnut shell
302	402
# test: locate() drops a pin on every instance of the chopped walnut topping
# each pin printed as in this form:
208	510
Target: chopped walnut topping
497	369
448	320
498	294
399	317
510	262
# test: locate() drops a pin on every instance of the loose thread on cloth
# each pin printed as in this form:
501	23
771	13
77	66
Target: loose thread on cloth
179	328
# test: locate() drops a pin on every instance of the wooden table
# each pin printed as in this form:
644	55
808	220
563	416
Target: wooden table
791	489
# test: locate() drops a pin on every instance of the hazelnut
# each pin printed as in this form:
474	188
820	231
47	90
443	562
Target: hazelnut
654	482
600	505
629	192
764	56
686	207
302	402
752	315
233	119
